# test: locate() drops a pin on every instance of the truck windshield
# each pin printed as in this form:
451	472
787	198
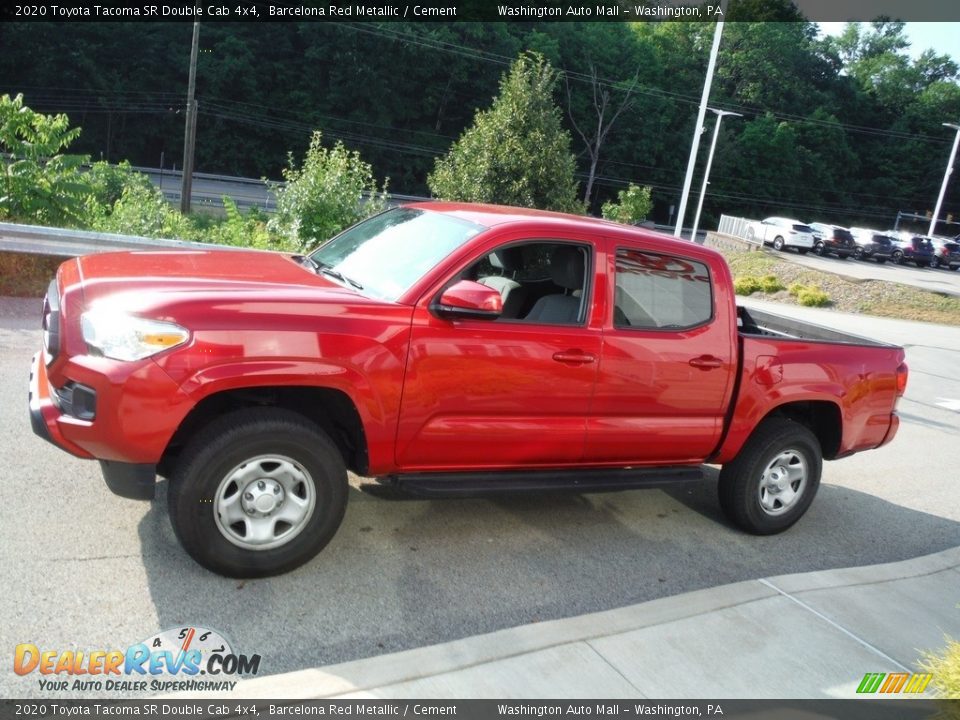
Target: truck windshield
385	255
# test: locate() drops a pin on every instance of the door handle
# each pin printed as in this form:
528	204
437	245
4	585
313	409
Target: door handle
574	357
706	362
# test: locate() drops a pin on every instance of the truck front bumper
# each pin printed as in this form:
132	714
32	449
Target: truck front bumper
130	480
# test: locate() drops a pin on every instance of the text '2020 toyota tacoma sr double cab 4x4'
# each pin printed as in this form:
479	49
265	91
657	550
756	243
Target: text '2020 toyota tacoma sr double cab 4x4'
445	348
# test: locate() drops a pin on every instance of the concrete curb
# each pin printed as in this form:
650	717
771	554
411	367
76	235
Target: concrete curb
410	665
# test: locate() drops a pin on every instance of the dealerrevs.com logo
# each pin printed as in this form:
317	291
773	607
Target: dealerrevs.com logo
180	659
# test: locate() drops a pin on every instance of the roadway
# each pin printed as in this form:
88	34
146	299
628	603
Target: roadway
84	569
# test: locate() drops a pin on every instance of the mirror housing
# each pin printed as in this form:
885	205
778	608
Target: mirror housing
466	299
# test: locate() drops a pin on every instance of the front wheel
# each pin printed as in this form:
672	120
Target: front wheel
258	492
773	479
897	257
778	243
858	253
820	249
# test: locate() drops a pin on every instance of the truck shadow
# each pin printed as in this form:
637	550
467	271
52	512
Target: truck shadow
406	574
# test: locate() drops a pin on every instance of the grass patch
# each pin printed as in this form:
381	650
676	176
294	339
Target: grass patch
25	275
945	668
867	297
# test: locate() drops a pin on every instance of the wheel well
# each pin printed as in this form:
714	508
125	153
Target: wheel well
821	417
331	409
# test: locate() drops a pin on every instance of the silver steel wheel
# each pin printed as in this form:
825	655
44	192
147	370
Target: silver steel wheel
264	502
783	482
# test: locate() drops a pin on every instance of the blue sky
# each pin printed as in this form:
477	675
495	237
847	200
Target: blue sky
944	37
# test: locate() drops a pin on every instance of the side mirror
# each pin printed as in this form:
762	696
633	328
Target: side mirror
469	300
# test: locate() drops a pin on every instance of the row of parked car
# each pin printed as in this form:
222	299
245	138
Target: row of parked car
861	243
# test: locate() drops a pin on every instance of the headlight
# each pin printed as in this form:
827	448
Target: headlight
127	337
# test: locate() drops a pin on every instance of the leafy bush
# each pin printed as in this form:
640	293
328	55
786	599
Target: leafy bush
142	210
632	206
516	152
812	296
945	668
39	183
795	288
324	195
770	284
746	285
248	230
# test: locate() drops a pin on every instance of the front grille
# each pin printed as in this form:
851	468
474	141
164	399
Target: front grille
50	322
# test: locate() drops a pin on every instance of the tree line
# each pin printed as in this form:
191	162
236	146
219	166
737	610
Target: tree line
845	129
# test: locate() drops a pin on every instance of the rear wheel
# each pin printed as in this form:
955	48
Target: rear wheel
858	253
820	249
897	257
778	243
257	492
774	478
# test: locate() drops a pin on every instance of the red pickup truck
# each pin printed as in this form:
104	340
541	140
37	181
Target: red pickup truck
448	349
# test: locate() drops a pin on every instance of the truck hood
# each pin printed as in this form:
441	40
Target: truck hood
208	271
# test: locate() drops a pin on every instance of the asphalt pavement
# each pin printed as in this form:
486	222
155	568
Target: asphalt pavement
85	569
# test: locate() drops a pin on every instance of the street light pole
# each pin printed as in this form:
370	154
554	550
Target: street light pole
706	173
190	131
946	176
698	128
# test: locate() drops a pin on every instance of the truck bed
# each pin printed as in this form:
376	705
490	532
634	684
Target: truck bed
756	323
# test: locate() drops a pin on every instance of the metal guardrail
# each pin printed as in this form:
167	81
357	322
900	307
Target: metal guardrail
70	243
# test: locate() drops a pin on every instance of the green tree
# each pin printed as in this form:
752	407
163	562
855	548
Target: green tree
633	206
39	182
517	152
324	195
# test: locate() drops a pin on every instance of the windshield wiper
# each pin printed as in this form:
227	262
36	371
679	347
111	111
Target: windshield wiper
307	261
341	277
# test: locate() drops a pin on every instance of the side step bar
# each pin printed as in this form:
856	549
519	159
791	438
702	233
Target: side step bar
470	484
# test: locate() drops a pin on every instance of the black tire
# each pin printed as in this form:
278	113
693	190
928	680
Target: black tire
778	243
222	450
897	257
858	253
740	489
820	249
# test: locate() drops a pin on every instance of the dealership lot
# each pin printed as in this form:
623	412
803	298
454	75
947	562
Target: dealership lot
87	570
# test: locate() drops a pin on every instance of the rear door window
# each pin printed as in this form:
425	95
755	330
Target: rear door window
660	292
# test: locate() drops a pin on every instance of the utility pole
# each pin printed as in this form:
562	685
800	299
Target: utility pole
698	128
190	132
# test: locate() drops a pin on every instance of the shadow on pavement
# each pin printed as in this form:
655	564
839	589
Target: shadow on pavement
406	574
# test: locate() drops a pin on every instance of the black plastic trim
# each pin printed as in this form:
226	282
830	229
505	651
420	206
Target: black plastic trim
533	481
130	480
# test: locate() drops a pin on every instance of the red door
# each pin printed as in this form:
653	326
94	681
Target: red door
667	363
497	394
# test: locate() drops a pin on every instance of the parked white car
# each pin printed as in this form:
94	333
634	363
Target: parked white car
783	233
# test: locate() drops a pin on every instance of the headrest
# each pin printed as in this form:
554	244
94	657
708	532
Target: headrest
566	267
507	259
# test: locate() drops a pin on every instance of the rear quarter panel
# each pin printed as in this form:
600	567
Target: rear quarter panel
860	380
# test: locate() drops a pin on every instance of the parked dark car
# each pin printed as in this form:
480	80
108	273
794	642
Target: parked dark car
833	239
917	249
872	245
946	254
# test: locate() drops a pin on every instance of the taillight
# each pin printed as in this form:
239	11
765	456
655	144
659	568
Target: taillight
902	373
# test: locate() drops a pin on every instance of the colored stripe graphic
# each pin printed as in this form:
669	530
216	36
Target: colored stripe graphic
890	683
870	682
